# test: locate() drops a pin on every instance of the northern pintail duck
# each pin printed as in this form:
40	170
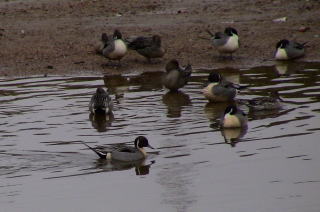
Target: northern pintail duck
219	89
101	102
176	76
126	153
114	48
288	50
234	118
226	42
149	47
271	102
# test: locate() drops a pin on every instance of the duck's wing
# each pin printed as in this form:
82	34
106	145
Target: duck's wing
140	43
108	49
220	39
187	71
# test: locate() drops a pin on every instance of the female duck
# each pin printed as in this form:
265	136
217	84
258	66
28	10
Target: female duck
176	76
149	47
101	102
234	118
126	153
272	102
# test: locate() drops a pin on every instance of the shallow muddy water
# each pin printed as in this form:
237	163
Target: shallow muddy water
273	166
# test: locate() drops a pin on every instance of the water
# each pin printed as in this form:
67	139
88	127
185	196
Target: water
273	166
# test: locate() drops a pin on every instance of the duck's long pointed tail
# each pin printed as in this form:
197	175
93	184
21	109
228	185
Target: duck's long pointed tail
100	154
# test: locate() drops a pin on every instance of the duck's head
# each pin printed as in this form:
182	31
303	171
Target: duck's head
100	91
231	110
282	44
214	77
230	31
141	142
104	38
117	34
157	40
172	65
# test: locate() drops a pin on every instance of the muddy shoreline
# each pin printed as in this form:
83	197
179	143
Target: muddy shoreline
60	37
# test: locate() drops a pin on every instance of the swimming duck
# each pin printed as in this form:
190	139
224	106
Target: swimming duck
227	41
114	48
288	50
101	102
271	102
219	89
126	153
234	118
149	47
176	76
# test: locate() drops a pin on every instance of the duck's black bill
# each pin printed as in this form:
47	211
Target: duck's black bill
150	146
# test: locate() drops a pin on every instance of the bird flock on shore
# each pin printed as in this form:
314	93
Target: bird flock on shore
217	88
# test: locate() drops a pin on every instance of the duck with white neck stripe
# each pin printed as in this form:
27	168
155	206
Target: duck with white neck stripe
126	153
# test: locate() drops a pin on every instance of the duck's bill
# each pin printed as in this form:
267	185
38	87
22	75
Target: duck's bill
150	146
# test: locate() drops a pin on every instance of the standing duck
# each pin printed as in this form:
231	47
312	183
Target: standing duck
149	47
226	42
114	48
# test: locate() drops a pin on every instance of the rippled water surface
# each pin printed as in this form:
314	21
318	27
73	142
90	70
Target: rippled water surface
273	166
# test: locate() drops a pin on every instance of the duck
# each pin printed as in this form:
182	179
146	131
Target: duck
101	102
125	153
176	76
226	42
219	89
234	117
271	102
149	47
114	47
289	50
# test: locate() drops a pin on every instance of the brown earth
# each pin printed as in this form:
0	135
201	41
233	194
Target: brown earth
60	36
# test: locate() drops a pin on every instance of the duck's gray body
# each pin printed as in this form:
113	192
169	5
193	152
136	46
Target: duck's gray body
234	118
149	47
101	102
115	48
126	153
219	89
288	50
176	76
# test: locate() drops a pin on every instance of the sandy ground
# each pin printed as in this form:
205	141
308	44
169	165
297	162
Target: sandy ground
60	36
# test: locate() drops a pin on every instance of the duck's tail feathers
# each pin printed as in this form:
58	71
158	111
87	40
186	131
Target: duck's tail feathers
209	32
239	87
100	154
188	70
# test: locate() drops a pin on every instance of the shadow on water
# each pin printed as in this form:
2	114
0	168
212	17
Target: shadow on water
43	119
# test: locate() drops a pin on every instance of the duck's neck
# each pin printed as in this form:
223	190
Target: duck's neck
143	151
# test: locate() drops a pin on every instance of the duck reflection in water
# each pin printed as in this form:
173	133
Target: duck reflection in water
140	166
286	68
233	136
101	122
175	101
